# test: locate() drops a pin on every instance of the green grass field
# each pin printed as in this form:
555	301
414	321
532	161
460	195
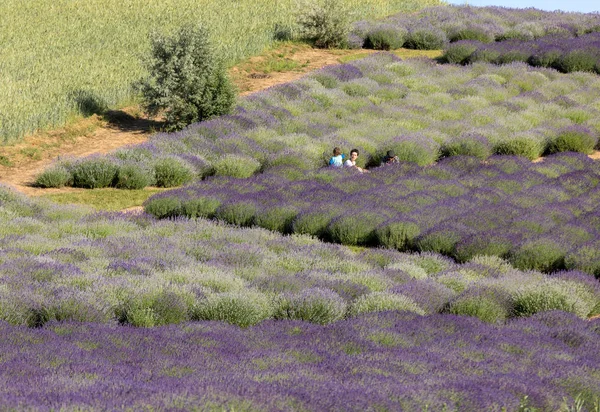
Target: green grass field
59	58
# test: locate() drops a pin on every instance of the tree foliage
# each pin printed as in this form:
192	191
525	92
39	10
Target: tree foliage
186	80
327	23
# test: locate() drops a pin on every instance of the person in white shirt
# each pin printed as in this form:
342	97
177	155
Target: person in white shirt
351	162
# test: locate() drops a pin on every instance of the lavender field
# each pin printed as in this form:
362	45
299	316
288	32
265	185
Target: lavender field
418	108
334	328
541	216
386	361
60	264
435	27
465	277
563	54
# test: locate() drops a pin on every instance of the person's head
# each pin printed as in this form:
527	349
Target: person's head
390	153
337	151
390	156
353	154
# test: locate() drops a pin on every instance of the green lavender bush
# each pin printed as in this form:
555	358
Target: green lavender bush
241	309
94	173
172	171
56	176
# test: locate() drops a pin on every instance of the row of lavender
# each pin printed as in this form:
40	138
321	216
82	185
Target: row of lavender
541	216
386	361
417	108
566	55
63	264
435	27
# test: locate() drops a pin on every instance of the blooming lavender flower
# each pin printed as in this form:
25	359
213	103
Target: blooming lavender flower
274	364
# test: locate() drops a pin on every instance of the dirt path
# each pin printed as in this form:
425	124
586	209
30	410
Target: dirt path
22	162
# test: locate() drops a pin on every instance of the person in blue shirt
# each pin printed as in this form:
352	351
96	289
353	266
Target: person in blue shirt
337	160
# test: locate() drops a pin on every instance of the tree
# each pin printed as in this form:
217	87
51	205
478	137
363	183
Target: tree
327	23
186	80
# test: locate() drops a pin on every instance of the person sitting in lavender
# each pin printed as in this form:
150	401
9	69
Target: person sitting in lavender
390	158
337	160
351	162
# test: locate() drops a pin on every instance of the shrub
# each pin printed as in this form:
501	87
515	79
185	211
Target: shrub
485	55
550	294
545	58
459	53
397	234
476	146
133	176
416	151
78	309
520	146
278	218
356	89
150	309
385	38
171	171
236	166
382	301
57	176
200	207
428	38
428	294
93	173
327	81
471	33
240	213
439	240
163	207
577	61
314	222
541	254
514	55
170	307
585	258
573	139
326	23
186	79
355	229
241	309
488	304
282	32
313	305
482	244
432	262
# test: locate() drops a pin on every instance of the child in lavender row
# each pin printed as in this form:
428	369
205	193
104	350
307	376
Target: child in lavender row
337	160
